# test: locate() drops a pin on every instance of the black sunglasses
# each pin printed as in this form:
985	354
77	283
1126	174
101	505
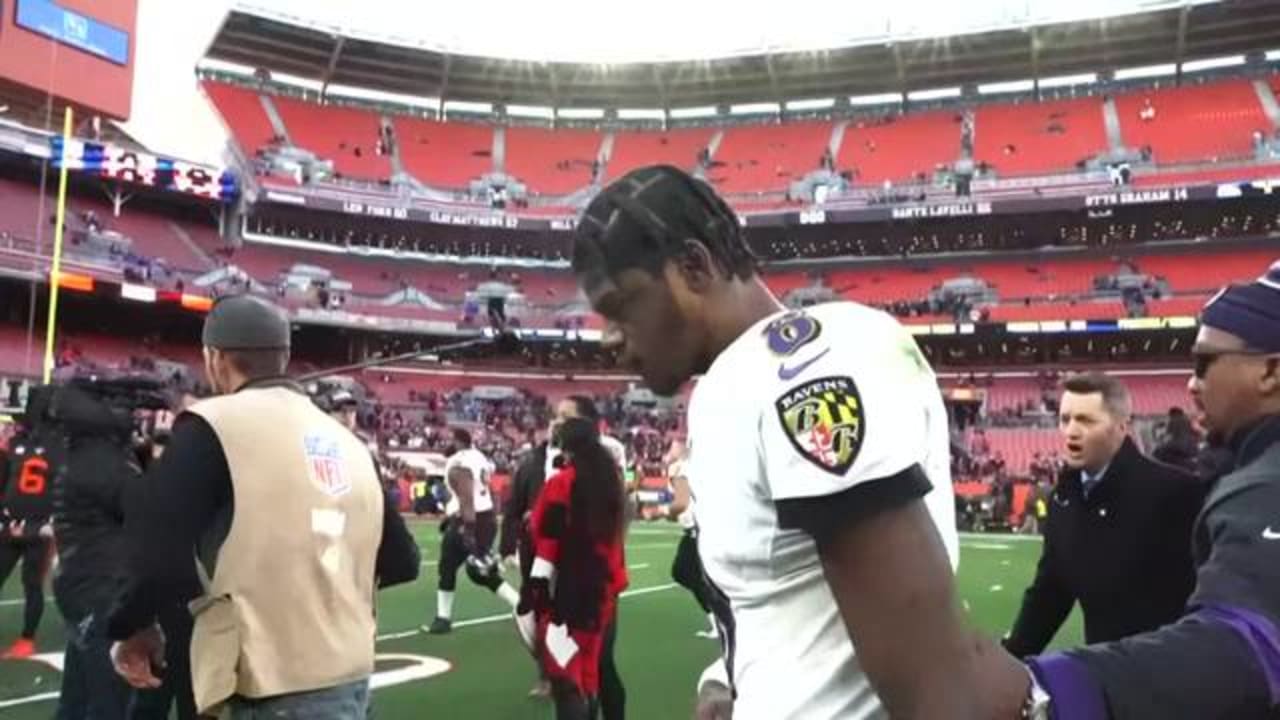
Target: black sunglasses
1205	359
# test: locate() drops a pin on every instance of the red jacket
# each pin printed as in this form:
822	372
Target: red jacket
586	582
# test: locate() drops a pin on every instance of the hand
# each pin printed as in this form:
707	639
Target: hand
511	562
17	528
46	530
715	702
137	658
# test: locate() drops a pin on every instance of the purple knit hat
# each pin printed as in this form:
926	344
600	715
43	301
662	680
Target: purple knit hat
1250	311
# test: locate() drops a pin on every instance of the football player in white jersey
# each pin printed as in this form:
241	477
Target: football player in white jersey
818	458
686	568
469	528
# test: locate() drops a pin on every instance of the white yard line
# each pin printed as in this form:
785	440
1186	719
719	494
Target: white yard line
487	619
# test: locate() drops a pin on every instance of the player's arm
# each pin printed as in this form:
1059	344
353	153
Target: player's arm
462	485
892	581
680	496
1218	661
549	521
166	511
1045	606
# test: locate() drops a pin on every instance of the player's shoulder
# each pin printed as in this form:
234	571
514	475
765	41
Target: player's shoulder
847	336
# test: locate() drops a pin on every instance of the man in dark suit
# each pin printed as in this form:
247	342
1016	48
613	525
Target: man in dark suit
1118	535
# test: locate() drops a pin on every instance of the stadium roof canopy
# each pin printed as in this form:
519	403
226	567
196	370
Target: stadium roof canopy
946	44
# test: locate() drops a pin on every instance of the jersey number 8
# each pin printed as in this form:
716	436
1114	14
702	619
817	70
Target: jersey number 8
31	481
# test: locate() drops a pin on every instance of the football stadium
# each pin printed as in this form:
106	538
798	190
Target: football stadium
1017	194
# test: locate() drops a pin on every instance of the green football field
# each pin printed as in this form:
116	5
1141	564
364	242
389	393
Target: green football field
481	671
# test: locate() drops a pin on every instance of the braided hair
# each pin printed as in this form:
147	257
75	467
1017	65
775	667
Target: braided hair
647	217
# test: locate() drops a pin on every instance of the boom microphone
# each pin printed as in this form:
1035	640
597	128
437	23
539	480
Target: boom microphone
505	342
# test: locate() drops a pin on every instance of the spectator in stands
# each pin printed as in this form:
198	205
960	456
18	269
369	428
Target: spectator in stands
1116	532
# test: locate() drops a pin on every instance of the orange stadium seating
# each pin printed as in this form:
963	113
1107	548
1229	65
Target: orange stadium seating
1238	173
345	135
1187	273
1019	446
1038	138
899	148
241	109
674	147
1207	122
444	154
553	162
1213	122
758	158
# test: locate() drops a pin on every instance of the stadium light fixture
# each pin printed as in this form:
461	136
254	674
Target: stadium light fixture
1058	81
934	93
701	111
876	99
225	66
814	104
1212	63
642	114
1146	71
466	106
1272	55
757	108
1010	86
531	111
581	113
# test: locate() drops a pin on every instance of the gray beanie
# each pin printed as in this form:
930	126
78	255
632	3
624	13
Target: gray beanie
245	322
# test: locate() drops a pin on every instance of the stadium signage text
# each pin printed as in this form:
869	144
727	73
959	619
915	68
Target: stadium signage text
949	210
498	221
812	216
1138	197
382	211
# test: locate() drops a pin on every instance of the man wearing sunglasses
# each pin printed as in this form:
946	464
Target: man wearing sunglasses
1222	658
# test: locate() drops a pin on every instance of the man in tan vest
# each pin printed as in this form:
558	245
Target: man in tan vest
282	509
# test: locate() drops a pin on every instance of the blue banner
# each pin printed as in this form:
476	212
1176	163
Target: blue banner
72	28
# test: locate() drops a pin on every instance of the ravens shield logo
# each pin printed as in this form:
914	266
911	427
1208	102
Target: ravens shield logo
824	421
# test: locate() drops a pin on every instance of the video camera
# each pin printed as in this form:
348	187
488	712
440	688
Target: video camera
97	405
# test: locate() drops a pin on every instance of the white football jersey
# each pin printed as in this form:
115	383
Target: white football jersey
804	405
481	471
685	518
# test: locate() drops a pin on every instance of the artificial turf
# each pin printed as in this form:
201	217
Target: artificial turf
489	674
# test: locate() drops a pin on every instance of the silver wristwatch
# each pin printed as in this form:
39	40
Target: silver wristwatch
1038	705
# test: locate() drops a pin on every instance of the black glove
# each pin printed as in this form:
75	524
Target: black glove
535	597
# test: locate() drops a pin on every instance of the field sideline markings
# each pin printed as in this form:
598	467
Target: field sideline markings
965	537
487	619
999	537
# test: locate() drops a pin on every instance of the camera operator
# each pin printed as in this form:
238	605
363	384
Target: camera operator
282	508
89	523
25	515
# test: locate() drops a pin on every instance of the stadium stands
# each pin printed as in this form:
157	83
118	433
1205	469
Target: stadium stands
241	109
1038	138
1212	122
899	148
552	162
761	158
444	154
347	136
1208	123
674	147
1207	273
